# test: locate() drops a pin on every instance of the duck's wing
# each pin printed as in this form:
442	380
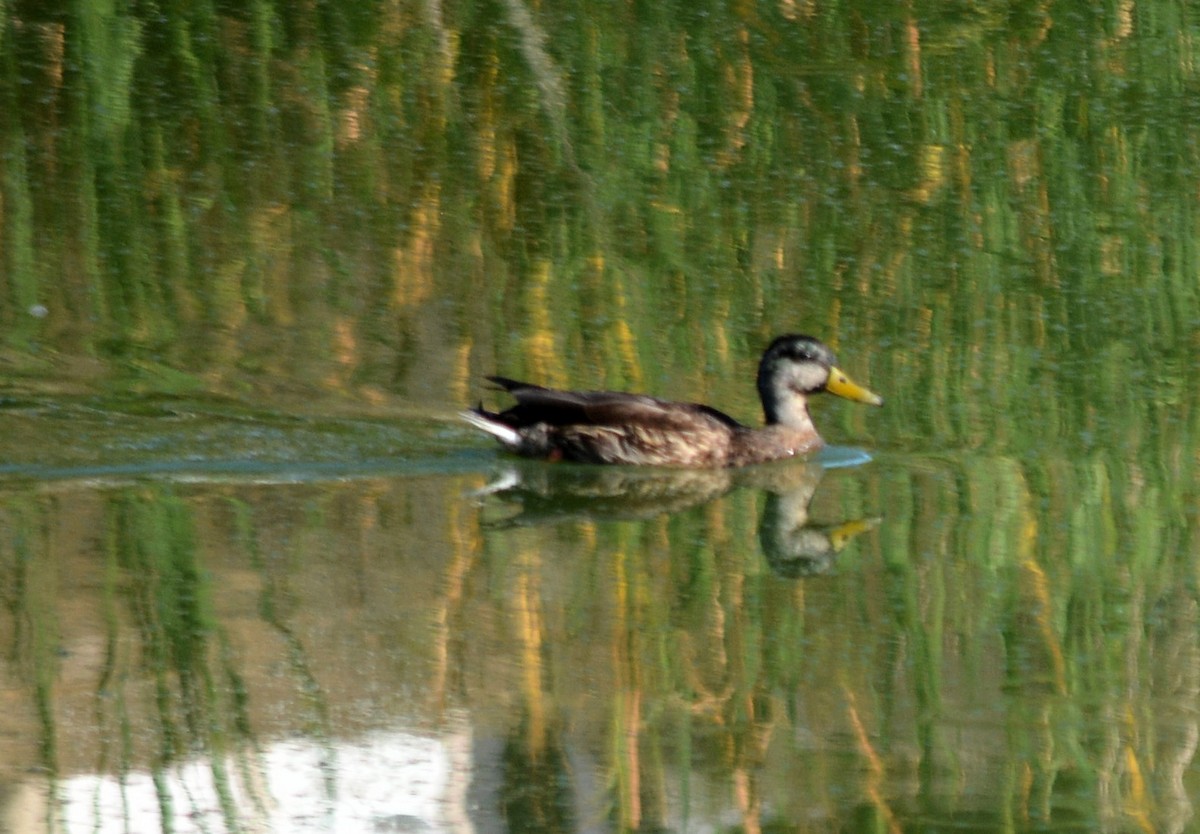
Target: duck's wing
556	407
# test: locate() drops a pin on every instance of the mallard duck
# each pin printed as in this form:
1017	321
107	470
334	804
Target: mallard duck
614	427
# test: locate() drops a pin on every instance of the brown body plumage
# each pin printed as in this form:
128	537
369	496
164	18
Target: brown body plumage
615	427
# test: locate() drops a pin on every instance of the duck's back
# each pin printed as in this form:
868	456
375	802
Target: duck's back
616	427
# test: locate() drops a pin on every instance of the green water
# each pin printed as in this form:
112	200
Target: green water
255	576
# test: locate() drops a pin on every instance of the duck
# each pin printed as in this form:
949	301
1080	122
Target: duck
614	427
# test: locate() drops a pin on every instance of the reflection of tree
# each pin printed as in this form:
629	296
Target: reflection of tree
29	631
1015	645
1001	657
183	652
153	543
535	790
1176	682
731	709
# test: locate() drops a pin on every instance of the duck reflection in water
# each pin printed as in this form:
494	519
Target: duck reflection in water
793	547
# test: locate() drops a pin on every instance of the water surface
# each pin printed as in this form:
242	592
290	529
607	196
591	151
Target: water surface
257	577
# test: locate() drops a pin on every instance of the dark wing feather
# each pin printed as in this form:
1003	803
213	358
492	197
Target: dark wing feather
536	404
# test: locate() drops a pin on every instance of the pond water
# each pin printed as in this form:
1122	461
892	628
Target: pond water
257	576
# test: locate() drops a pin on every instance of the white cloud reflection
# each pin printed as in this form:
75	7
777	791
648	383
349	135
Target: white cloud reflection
392	781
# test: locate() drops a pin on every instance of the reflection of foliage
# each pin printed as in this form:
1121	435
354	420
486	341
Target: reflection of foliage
199	695
996	647
152	540
535	788
30	629
977	636
200	182
154	543
993	209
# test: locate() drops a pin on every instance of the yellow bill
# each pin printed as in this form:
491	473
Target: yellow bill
841	535
844	386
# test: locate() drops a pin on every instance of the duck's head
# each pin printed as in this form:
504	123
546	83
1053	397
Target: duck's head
795	366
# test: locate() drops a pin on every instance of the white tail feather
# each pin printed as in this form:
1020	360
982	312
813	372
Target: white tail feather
505	434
